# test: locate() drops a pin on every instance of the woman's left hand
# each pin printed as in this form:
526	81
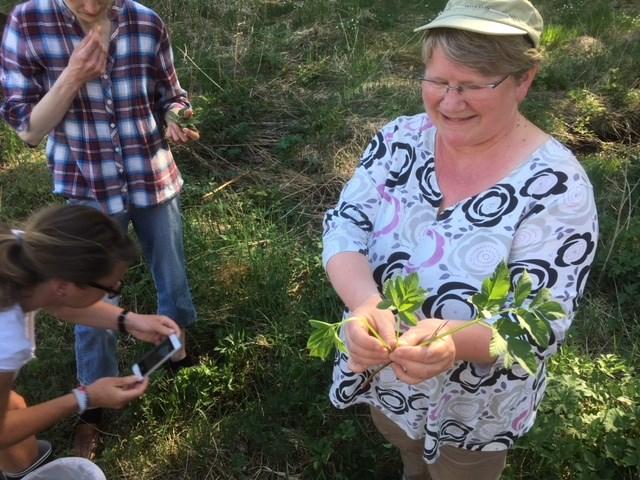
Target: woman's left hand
176	133
150	328
413	363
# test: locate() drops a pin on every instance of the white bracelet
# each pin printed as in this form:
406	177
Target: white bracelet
82	397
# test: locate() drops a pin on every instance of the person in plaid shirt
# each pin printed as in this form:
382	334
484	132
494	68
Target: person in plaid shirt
97	77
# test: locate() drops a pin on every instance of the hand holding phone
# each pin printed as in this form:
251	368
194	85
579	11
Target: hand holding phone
156	357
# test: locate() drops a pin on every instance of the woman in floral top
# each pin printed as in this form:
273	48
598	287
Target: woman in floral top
449	194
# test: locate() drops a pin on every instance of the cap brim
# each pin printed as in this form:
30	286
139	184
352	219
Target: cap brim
470	24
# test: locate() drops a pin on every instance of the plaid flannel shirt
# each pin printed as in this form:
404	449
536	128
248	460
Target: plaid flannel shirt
109	146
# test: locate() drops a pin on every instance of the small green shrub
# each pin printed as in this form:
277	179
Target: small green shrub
588	426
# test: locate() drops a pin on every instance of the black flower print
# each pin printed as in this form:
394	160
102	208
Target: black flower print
394	265
528	213
543	275
488	208
427	183
376	150
404	156
545	183
580	283
419	401
575	250
451	302
468	377
453	430
351	385
352	213
505	438
392	400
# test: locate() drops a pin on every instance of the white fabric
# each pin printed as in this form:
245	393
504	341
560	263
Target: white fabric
70	468
17	338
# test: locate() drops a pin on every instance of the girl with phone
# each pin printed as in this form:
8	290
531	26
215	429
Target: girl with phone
62	261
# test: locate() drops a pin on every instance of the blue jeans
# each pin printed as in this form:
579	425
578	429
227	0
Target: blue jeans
159	231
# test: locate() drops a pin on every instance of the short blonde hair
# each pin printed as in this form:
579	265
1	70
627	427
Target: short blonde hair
486	54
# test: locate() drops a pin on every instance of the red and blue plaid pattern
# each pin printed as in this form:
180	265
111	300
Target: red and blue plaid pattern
110	145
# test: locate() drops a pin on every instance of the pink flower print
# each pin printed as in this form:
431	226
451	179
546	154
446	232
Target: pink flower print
390	217
426	125
428	252
435	413
517	422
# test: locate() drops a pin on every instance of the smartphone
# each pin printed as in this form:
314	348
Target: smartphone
156	357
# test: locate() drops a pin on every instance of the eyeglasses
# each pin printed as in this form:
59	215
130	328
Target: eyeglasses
468	91
111	292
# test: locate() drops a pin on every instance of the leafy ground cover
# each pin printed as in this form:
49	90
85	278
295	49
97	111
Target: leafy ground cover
288	93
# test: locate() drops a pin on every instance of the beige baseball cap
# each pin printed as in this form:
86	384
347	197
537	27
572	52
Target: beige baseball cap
491	17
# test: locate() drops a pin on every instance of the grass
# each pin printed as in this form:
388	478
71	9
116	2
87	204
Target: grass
289	93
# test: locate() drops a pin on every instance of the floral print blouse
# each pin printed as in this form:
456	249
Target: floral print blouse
541	217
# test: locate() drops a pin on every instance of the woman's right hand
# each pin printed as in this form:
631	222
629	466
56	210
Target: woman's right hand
149	327
115	392
89	59
365	350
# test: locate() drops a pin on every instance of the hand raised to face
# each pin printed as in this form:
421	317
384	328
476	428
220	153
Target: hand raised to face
89	59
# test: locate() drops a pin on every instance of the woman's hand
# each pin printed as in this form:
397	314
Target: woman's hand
89	59
150	328
413	363
176	133
365	350
115	392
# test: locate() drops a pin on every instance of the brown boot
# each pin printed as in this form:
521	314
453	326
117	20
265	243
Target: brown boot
86	440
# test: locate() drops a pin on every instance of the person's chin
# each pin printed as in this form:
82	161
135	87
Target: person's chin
90	19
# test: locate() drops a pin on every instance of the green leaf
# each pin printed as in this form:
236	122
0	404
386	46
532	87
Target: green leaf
494	291
405	295
507	327
338	343
550	311
520	351
498	345
323	339
499	285
522	289
393	293
480	300
409	318
173	116
543	296
384	304
535	326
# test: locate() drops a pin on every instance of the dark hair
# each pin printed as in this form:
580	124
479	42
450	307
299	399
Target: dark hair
486	54
74	243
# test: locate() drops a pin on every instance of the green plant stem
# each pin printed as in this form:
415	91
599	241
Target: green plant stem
371	330
475	321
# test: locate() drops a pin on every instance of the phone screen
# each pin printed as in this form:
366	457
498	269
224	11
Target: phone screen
155	356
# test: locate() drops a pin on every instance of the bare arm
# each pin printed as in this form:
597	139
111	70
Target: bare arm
351	278
21	423
149	328
87	62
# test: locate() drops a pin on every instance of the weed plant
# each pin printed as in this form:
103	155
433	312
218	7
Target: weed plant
288	94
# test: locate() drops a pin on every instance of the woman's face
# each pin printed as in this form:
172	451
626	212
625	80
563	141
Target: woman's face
89	11
82	296
470	118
